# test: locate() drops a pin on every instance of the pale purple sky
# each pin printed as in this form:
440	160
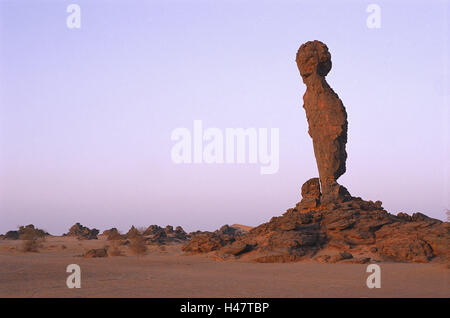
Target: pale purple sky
86	114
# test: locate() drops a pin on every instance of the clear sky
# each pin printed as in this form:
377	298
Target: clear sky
86	114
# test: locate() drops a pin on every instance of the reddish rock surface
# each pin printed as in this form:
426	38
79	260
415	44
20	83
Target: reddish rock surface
82	232
113	234
310	194
327	118
28	229
328	224
156	234
96	252
203	242
355	231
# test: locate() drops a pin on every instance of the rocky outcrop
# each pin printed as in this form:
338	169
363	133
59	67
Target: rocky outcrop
355	231
82	232
420	240
132	232
327	119
113	234
180	234
11	235
310	194
28	230
328	224
203	242
156	234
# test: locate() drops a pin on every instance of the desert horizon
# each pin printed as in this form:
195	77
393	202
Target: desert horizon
166	271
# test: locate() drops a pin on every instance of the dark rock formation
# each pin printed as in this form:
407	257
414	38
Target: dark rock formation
327	118
12	235
31	228
113	234
82	232
25	231
169	229
203	242
155	234
355	231
180	234
132	232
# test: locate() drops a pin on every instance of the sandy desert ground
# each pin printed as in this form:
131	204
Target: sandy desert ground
167	272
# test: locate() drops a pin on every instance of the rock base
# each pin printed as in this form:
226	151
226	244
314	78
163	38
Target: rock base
352	231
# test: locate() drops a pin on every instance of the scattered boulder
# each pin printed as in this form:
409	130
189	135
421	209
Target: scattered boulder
339	257
96	252
236	248
310	194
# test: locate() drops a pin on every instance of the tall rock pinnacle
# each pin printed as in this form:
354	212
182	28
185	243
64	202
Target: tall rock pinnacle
327	119
328	224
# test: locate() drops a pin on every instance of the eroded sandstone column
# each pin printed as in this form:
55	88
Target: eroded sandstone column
327	119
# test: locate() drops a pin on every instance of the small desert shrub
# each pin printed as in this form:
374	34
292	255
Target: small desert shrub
30	246
32	240
137	245
114	249
63	247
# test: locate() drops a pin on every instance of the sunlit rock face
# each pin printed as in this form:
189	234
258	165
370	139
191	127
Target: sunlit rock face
327	119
